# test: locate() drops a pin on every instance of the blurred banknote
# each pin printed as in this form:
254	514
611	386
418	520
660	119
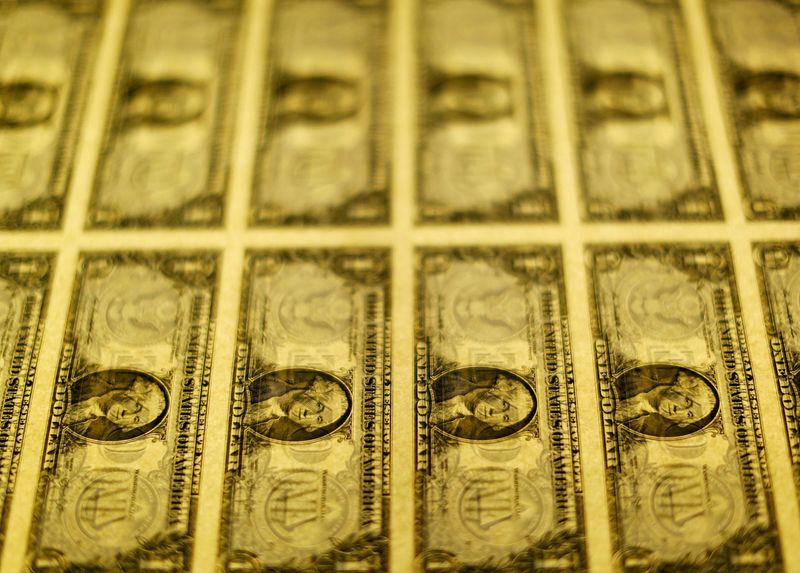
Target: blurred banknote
758	48
482	150
642	151
47	50
165	155
322	155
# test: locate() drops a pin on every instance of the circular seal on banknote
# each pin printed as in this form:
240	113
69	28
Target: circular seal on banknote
115	405
306	508
313	309
489	308
665	401
664	306
297	404
114	506
481	403
140	312
499	505
689	502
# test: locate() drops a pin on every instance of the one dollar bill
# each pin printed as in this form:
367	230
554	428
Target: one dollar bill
165	156
779	265
119	479
482	152
47	49
322	155
307	485
498	468
24	291
642	151
685	460
758	49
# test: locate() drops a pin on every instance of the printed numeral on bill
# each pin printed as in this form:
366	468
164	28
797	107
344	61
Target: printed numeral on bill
165	158
322	158
641	146
119	482
308	460
498	470
46	51
758	49
482	148
685	460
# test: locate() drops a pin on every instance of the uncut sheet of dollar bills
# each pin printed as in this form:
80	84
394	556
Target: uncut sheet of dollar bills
399	286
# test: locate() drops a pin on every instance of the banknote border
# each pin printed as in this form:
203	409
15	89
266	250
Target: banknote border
561	542
221	132
181	543
775	339
537	131
92	14
29	379
715	560
697	136
370	544
379	131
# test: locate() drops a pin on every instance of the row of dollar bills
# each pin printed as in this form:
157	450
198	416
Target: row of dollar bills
496	442
322	153
423	285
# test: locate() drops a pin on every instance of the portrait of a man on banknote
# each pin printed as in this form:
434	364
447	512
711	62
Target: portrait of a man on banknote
625	94
297	405
471	97
772	95
664	401
318	99
26	104
481	403
115	405
167	102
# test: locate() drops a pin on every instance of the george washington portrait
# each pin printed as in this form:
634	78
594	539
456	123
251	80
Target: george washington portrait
481	403
115	405
664	401
297	405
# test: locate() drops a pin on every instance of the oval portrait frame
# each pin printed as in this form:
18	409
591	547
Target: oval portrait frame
518	427
312	372
152	426
707	420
